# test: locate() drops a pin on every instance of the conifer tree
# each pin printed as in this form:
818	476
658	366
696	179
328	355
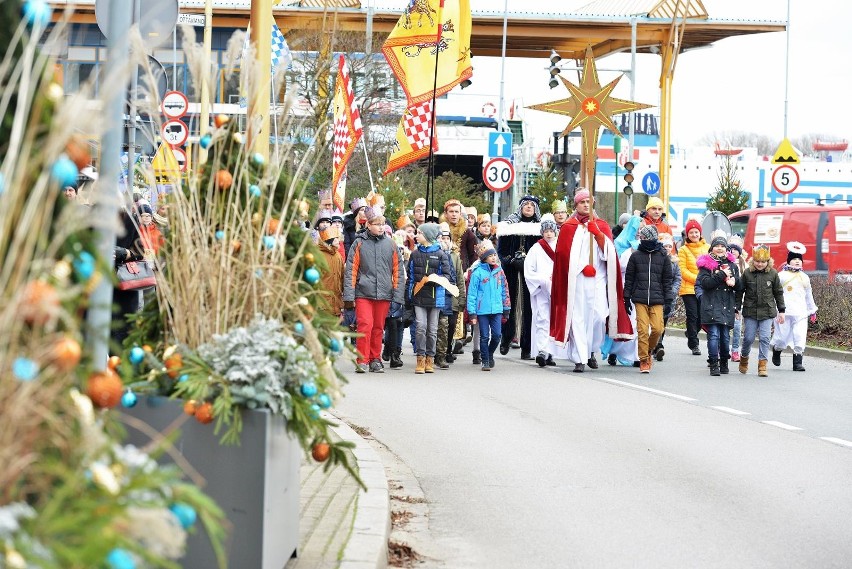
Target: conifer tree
729	197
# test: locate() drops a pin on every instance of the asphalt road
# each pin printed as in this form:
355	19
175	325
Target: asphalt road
528	467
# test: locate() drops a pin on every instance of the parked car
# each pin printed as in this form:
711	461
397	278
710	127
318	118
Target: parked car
826	231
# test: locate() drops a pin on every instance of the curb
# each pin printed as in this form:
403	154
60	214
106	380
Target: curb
811	351
367	547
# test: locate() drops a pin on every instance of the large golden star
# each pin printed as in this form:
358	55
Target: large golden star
590	107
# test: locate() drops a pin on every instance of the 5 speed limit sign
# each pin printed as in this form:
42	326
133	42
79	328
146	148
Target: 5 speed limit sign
785	179
498	174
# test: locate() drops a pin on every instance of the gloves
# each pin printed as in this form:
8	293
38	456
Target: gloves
505	317
628	306
594	229
812	318
350	304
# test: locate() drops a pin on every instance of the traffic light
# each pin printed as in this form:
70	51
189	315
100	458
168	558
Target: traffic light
554	69
628	177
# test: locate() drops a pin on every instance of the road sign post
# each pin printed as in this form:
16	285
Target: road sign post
498	174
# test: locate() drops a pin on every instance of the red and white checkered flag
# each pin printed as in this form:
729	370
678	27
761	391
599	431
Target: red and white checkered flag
412	136
347	131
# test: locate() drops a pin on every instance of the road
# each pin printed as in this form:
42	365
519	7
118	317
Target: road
529	467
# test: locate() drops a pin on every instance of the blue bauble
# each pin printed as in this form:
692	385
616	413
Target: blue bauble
185	514
25	369
183	378
64	172
312	275
268	241
84	265
36	13
205	141
220	235
120	559
309	389
324	400
298	328
315	411
254	190
258	159
137	354
2	183
334	345
129	399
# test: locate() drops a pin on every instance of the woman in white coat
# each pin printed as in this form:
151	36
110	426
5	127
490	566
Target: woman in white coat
538	273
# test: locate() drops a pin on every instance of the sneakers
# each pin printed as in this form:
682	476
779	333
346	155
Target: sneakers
661	352
504	349
735	356
579	368
360	368
376	367
515	344
541	359
645	366
696	351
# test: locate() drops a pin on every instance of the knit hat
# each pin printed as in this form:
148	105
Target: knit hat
735	247
692	224
483	217
145	208
430	231
444	229
371	214
760	253
548	223
470	211
648	233
403	222
654	202
329	233
665	238
623	219
357	204
528	198
452	202
324	215
795	250
582	194
486	249
558	206
420	202
337	215
719	240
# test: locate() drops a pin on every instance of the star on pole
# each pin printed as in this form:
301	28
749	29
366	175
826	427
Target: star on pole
590	107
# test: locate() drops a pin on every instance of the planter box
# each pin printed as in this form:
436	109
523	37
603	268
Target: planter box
256	484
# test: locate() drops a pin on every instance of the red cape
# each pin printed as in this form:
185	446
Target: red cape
618	323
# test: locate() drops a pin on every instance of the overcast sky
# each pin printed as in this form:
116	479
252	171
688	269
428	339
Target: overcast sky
738	84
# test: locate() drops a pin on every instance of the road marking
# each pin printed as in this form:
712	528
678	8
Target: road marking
731	411
837	441
648	389
781	425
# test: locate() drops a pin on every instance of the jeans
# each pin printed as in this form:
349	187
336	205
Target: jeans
427	329
735	341
693	319
763	330
370	315
718	342
489	335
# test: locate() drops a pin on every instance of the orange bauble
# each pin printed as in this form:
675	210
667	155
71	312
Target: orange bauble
321	452
219	120
224	179
272	226
113	362
173	364
66	353
105	389
77	150
236	246
39	303
148	349
204	413
190	407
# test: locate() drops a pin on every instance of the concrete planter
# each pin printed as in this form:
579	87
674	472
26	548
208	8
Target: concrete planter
256	484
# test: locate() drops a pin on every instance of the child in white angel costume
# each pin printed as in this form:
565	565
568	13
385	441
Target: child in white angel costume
801	308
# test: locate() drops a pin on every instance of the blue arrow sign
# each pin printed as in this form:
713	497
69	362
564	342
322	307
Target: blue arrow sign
499	144
651	183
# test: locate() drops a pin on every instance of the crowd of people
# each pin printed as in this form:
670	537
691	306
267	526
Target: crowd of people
560	286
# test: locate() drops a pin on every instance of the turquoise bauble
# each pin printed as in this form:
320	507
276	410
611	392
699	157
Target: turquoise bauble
254	190
312	275
129	399
205	141
220	235
36	13
268	241
324	400
120	559
298	328
25	369
183	378
84	265
258	159
64	172
185	514
315	411
334	345
137	354
309	389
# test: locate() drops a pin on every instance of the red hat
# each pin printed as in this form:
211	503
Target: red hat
692	224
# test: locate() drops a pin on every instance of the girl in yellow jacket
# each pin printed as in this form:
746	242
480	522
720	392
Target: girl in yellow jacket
693	247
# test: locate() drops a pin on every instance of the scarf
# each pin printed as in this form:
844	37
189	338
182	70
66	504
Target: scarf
547	248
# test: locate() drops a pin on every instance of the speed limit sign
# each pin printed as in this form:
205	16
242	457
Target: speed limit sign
498	174
785	179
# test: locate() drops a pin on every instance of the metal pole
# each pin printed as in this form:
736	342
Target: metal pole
134	86
99	314
787	71
204	114
502	86
631	127
174	59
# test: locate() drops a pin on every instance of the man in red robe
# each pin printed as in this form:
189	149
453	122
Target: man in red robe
587	294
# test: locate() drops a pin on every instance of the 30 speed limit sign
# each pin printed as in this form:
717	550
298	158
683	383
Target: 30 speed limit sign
498	174
785	179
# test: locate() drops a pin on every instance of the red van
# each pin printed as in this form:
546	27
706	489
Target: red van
826	231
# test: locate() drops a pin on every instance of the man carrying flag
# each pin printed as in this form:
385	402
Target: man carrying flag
347	130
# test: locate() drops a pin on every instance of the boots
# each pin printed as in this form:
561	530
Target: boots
386	351
429	365
714	367
723	366
440	362
776	357
797	363
421	365
476	357
761	368
396	358
743	364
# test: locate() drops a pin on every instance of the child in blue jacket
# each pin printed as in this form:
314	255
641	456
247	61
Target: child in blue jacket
488	302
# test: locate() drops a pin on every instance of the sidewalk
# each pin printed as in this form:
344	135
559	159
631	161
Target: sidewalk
341	525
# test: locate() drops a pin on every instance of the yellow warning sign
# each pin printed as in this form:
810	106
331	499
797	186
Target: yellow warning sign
166	167
785	154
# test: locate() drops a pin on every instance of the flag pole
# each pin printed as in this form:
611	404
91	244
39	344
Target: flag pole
367	159
430	180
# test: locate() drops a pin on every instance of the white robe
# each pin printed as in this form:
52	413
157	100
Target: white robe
799	304
591	306
538	273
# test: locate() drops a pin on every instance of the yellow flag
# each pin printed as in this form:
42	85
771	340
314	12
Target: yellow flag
429	48
412	136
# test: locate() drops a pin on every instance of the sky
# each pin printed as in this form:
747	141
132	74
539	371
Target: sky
738	84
